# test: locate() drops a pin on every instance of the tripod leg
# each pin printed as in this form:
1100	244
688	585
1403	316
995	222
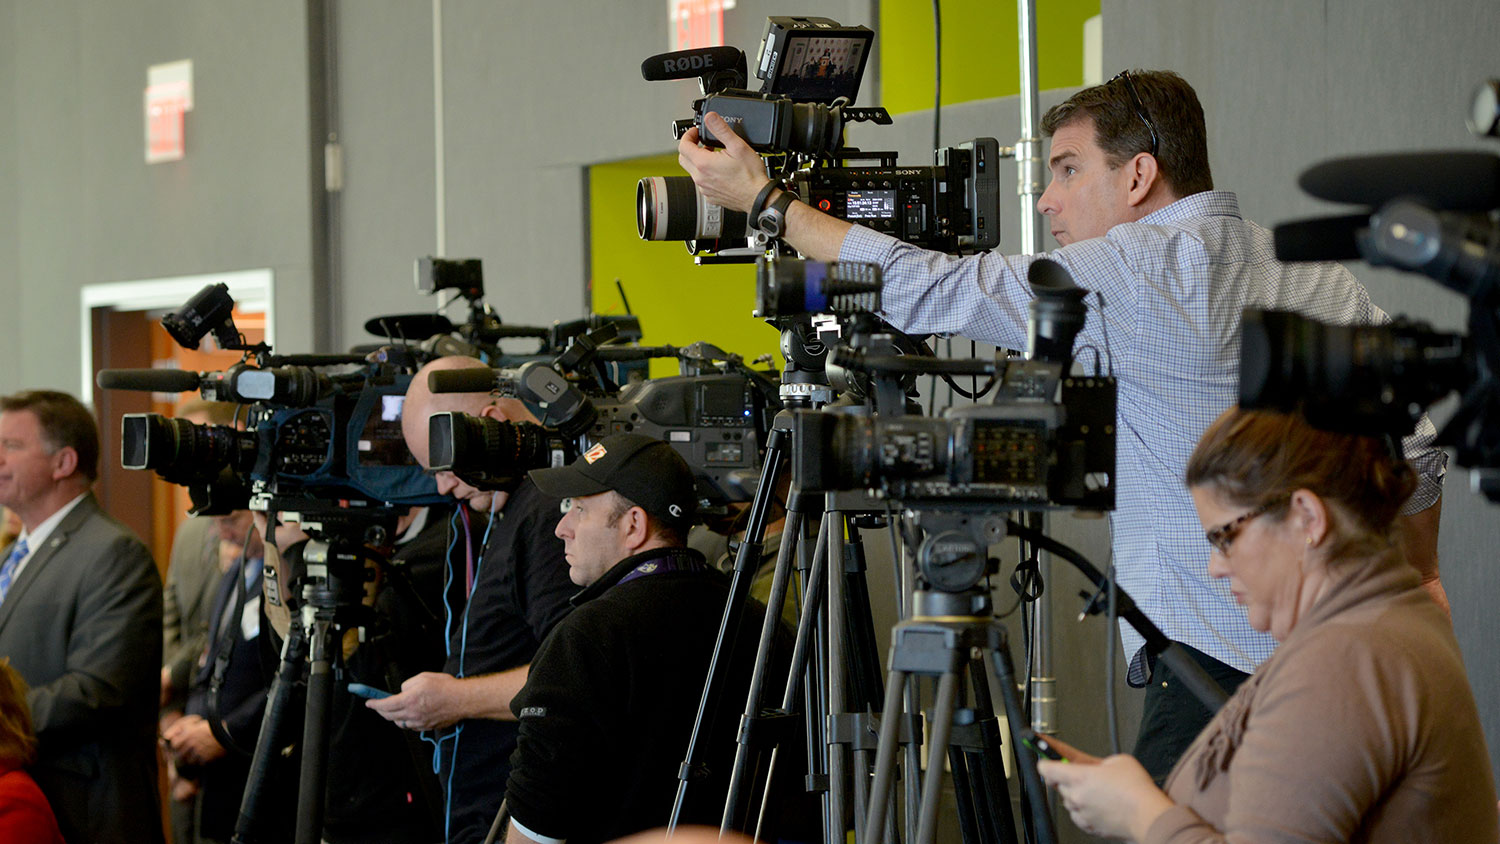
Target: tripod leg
1032	790
734	608
273	726
970	825
885	760
838	782
314	775
992	792
942	730
737	799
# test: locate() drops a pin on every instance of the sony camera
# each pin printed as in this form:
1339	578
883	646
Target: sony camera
811	70
1046	440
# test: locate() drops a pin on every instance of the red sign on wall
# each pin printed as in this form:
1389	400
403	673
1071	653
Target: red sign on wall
697	23
169	94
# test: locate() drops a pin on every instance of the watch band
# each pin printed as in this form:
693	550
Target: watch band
759	204
772	220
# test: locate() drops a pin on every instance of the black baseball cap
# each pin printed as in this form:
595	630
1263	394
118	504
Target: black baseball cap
644	469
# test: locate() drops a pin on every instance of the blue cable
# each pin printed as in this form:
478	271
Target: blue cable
463	645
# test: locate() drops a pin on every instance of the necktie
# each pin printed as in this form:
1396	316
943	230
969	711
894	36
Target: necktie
8	571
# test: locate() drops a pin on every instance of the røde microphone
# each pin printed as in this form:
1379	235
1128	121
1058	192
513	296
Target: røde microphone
1453	181
1321	239
688	64
151	380
474	380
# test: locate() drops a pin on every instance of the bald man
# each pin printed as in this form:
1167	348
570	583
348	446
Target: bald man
500	608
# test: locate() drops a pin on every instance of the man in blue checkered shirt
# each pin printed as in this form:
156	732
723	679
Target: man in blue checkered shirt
1131	200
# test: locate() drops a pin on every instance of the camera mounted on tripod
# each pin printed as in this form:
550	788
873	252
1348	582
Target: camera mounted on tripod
325	445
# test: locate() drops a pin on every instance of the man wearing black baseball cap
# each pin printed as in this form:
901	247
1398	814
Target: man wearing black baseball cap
609	705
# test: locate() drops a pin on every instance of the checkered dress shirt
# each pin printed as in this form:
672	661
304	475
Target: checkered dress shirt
1174	284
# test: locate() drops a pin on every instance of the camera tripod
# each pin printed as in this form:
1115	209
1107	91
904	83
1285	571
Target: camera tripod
834	667
331	602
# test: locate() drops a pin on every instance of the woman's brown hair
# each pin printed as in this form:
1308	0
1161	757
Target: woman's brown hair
17	741
1256	458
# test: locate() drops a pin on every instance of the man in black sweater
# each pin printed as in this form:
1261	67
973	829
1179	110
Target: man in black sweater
502	599
609	705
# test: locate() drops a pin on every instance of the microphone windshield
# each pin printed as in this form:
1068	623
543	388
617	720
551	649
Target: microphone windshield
474	380
1451	181
689	64
1321	239
151	380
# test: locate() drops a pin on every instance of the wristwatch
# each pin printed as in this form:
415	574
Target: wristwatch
772	220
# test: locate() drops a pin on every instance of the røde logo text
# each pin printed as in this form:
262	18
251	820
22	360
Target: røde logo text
688	63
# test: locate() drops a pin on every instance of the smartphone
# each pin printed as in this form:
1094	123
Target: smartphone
1039	745
361	690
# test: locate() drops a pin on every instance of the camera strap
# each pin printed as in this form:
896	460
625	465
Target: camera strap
675	559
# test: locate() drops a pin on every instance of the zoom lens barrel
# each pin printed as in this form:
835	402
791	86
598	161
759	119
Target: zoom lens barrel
486	453
672	208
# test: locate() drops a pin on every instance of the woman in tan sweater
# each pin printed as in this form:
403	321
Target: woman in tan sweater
1361	727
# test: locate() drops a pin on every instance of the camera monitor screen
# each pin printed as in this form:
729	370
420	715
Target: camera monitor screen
380	443
820	67
870	205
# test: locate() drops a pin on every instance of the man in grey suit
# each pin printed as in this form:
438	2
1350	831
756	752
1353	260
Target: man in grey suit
80	618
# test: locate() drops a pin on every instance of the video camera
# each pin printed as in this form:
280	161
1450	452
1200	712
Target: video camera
716	414
1046	441
318	444
811	70
1432	213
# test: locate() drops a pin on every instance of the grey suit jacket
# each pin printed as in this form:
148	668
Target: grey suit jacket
192	579
82	624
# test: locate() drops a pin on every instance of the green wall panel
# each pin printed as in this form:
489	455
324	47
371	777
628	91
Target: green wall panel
678	301
981	51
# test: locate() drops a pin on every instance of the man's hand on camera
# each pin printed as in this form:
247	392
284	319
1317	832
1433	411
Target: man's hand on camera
428	701
730	178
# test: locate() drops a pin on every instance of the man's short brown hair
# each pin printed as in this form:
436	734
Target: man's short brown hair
1120	129
65	423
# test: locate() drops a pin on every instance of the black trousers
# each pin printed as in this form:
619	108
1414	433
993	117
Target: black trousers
1173	716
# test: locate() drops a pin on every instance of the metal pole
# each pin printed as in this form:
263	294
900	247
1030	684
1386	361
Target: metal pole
1030	167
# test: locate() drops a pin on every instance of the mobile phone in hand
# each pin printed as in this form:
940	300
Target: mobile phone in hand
370	692
1040	746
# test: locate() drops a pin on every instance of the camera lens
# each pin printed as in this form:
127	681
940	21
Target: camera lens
486	453
671	208
177	448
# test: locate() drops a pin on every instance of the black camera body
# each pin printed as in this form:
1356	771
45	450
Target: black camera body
717	422
812	68
337	450
950	207
1025	451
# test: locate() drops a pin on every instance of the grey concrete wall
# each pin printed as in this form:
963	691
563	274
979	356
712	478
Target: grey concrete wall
533	93
10	311
88	209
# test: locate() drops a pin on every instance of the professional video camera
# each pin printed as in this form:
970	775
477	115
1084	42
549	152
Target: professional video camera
1046	441
811	70
434	335
314	443
1432	213
715	414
